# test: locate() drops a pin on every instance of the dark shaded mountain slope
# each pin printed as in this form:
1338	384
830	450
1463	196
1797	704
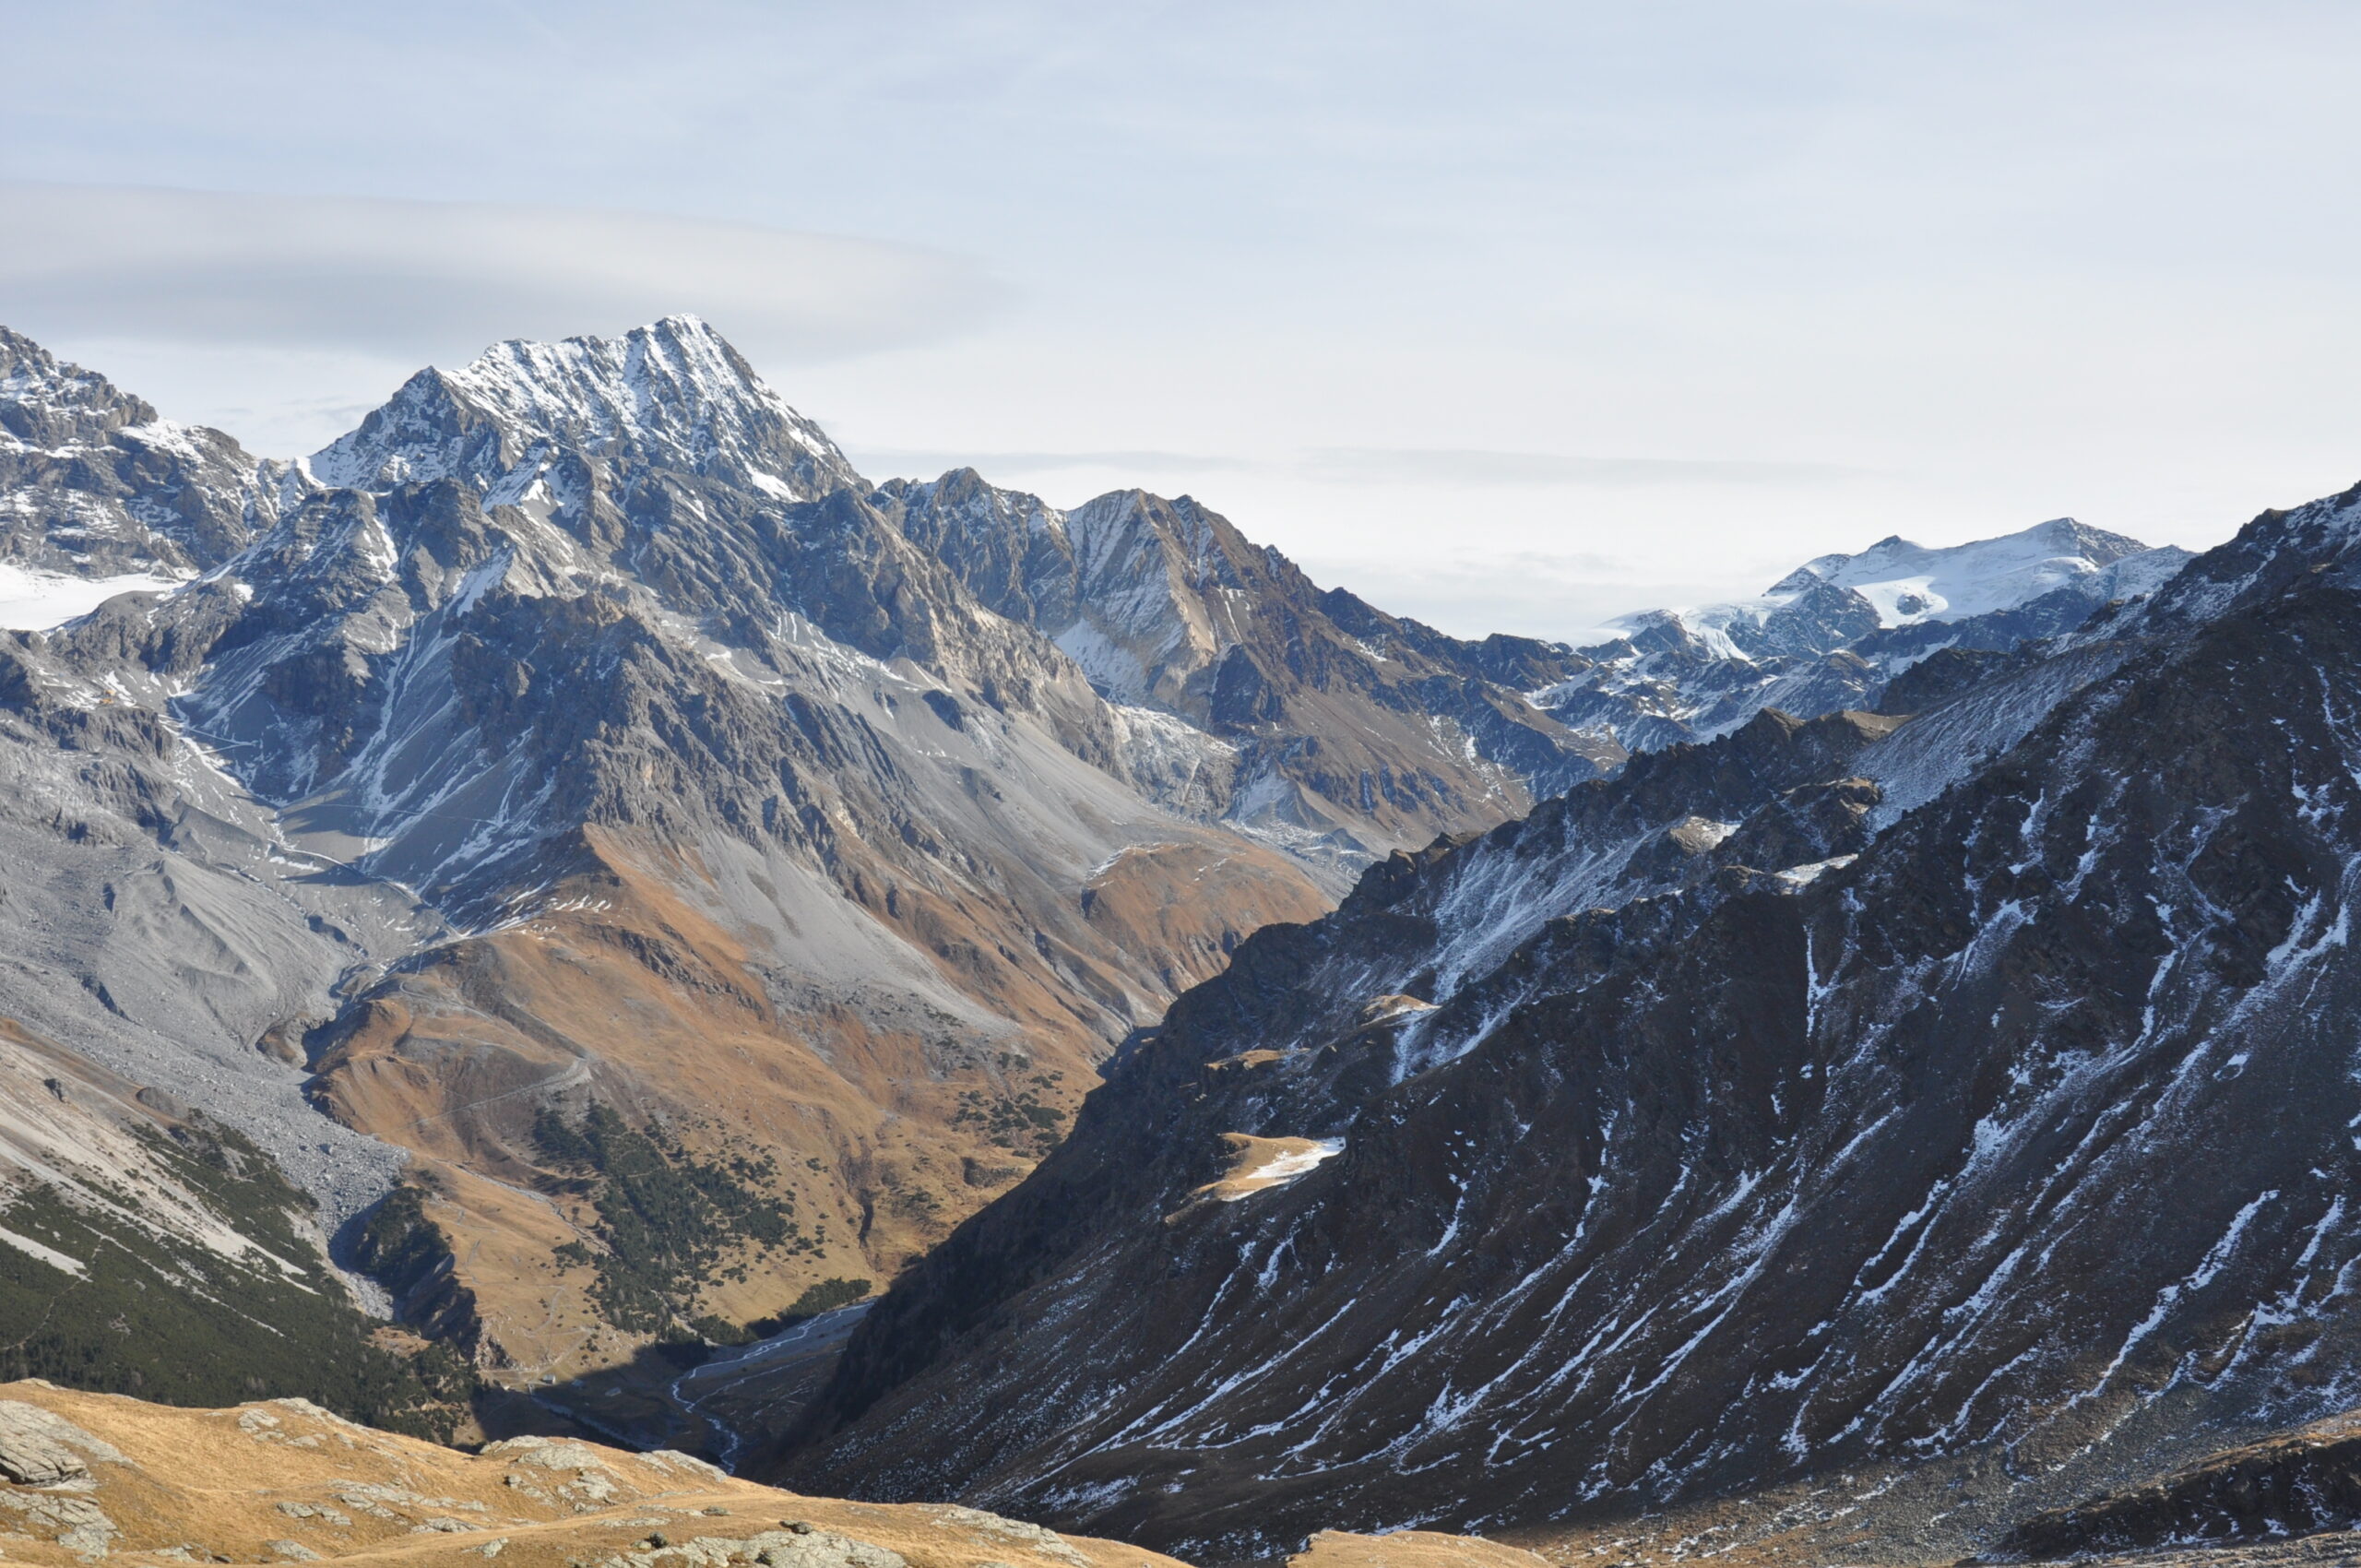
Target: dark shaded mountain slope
1647	1149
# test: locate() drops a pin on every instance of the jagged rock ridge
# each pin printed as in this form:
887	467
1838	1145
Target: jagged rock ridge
1354	731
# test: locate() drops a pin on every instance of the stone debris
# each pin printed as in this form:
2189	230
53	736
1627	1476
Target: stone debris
264	1427
291	1552
80	1524
592	1486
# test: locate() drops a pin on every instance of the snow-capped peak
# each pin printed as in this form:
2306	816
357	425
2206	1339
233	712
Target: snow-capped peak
671	393
47	402
1908	582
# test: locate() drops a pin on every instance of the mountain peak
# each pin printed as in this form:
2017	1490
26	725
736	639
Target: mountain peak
1911	582
46	401
671	393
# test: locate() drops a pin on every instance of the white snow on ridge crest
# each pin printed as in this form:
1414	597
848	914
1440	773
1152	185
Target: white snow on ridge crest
1909	582
673	389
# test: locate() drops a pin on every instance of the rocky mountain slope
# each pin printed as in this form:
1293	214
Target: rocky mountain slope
610	753
1354	731
147	1248
689	878
1846	1092
684	865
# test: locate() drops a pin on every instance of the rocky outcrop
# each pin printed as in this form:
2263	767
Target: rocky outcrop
92	483
38	1448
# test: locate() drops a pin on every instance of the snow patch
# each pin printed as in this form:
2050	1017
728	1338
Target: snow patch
36	601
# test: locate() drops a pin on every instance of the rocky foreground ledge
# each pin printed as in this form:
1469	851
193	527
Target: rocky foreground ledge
91	1477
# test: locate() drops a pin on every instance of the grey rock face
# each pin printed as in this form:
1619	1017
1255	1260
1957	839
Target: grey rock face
38	1448
92	483
1351	725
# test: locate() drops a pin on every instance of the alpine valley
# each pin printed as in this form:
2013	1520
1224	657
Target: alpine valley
572	913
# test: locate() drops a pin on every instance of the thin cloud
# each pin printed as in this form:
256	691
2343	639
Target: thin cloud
1470	466
928	463
1569	596
1385	465
421	280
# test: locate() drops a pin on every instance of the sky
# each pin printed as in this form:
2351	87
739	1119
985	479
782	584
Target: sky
1511	316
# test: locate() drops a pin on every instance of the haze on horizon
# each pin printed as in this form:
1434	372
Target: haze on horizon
1511	316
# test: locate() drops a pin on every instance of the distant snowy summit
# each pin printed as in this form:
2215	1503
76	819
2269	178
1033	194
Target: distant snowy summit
1908	583
1834	632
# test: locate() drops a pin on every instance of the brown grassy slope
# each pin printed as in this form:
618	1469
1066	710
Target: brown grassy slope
279	1481
886	1125
1409	1549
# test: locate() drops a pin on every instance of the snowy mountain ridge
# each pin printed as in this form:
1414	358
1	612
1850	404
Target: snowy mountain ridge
674	393
1834	632
95	486
1910	582
1904	583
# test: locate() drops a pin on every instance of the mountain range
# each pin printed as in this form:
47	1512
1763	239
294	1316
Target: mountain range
576	870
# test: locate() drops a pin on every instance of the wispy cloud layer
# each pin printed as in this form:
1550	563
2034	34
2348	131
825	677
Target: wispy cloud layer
420	281
1453	467
883	461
